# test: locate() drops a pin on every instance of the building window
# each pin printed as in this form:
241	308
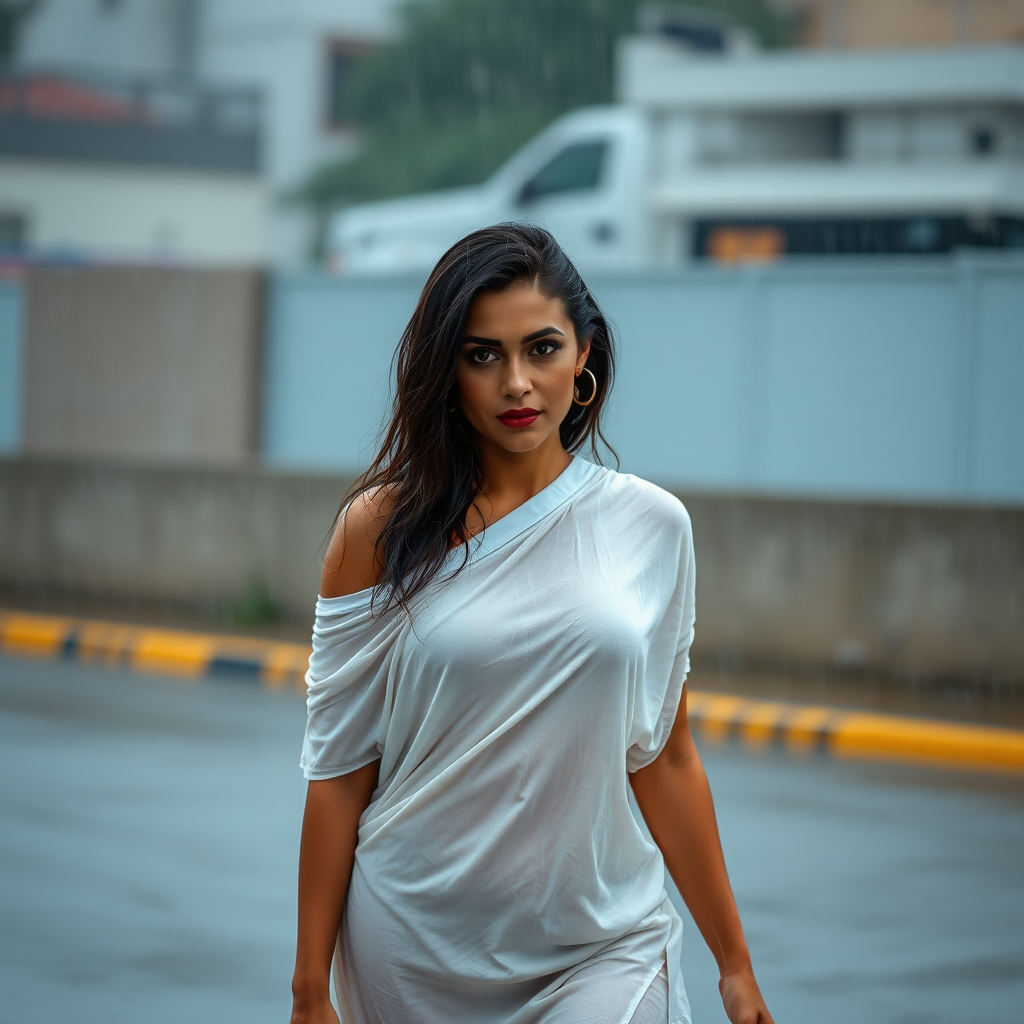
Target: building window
341	60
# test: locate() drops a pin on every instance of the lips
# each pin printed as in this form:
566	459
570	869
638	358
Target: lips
519	418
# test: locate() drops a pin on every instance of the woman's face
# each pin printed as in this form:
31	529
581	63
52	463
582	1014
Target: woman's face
517	368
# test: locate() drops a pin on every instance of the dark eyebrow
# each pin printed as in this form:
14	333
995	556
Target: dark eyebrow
542	333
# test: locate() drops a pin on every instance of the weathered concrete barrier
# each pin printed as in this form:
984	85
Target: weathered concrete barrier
936	591
196	537
912	589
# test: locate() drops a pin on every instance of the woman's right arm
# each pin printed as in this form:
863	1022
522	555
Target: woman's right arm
330	825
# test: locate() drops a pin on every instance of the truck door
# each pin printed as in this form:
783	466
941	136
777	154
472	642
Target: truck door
571	196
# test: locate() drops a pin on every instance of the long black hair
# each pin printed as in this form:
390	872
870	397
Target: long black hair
428	465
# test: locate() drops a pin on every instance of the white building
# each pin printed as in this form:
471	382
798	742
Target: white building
96	169
794	145
295	53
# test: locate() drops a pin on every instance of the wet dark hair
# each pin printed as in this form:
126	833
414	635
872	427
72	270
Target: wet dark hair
428	464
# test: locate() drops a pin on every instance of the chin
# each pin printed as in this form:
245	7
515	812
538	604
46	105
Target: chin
522	442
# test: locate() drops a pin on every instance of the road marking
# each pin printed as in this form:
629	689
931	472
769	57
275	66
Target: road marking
717	717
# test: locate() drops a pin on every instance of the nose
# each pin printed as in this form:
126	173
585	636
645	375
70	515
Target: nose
516	383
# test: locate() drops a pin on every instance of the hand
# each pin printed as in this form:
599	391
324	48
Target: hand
318	1011
742	999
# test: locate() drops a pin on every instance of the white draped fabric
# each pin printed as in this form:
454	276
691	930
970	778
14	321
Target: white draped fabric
499	874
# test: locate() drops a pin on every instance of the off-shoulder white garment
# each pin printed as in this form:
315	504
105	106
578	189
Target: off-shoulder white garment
500	877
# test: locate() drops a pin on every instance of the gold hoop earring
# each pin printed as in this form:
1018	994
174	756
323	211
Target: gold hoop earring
576	390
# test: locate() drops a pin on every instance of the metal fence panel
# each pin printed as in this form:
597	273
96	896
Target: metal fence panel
326	367
997	441
866	379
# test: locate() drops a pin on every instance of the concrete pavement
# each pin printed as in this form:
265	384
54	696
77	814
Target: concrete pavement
150	833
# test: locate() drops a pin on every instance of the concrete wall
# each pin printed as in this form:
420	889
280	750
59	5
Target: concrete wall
876	379
194	537
10	366
150	362
909	589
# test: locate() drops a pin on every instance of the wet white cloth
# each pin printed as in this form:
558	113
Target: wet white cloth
653	1008
499	875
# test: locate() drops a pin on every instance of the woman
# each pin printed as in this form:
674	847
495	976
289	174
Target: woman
500	644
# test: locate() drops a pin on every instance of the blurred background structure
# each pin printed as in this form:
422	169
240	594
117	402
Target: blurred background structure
806	220
242	93
113	146
869	24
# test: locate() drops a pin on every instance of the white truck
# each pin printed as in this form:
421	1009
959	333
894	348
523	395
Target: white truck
745	157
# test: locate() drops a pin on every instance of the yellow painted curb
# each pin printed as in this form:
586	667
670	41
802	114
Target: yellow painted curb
865	735
715	716
160	651
856	733
36	636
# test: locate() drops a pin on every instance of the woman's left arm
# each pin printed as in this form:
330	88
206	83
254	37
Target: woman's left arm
675	800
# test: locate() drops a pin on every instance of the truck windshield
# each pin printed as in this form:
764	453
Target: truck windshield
576	168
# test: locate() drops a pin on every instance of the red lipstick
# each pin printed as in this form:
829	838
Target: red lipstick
519	418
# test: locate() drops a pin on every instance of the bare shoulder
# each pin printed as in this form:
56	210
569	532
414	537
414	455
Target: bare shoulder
351	562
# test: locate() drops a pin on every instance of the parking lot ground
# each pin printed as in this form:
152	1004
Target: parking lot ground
149	839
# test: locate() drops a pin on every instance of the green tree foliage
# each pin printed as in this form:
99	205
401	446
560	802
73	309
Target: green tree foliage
469	81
